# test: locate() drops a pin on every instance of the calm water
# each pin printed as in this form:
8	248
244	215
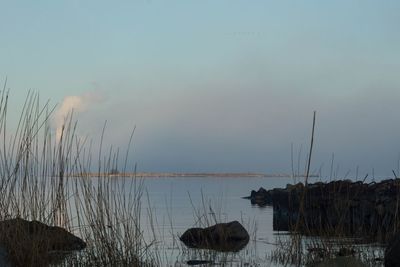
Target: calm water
172	205
178	203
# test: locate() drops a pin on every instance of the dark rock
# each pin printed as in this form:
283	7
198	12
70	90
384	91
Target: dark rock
32	242
339	207
4	261
198	262
230	236
262	197
348	261
392	252
343	252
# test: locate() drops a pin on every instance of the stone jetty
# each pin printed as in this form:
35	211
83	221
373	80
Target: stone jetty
335	208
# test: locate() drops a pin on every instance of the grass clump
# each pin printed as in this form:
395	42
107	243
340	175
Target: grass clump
49	180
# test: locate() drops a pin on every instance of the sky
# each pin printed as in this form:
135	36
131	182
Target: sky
218	86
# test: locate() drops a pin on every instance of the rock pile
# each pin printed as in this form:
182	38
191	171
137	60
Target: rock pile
338	207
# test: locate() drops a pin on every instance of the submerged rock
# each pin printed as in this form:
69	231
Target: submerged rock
32	243
4	261
344	252
231	236
198	262
348	261
262	197
392	252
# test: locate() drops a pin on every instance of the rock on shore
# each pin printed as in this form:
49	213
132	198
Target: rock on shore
29	243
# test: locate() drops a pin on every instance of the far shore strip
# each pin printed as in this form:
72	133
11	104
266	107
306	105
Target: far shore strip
176	174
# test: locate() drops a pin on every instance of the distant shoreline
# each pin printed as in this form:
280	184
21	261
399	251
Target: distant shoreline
197	174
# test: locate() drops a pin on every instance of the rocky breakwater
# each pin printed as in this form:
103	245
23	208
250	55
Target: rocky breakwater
262	197
32	243
336	208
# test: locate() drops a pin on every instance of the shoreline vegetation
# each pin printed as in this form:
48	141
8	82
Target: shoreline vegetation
35	170
188	174
35	186
36	167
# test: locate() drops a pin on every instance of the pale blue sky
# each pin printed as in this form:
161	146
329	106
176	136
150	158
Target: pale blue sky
217	85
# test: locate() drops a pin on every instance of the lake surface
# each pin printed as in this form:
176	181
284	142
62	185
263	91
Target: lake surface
171	205
179	203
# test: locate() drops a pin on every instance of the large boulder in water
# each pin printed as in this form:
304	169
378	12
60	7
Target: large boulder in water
231	236
32	243
262	197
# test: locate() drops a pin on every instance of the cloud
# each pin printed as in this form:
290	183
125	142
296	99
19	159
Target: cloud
74	104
